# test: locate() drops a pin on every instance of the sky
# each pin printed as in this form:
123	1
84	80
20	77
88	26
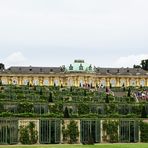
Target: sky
105	33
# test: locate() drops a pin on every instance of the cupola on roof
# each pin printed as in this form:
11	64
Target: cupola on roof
80	66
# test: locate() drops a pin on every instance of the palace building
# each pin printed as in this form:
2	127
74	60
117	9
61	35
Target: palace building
78	73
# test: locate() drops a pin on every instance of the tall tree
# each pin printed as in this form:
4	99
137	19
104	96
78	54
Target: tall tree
143	112
107	98
2	66
129	92
66	113
50	97
144	64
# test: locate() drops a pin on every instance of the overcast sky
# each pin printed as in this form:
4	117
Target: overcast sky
105	33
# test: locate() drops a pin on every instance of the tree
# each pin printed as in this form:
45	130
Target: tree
41	92
66	113
28	134
73	131
123	86
84	92
50	97
107	98
83	109
129	92
110	86
136	66
71	89
2	66
144	64
143	112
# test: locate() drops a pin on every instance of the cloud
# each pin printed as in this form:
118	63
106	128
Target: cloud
129	61
14	59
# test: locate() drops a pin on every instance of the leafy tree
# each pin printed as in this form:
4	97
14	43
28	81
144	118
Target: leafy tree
24	135
25	107
143	112
136	66
66	113
41	92
73	131
71	89
83	109
28	134
129	92
107	98
84	92
144	64
50	97
2	66
123	86
54	85
144	132
33	133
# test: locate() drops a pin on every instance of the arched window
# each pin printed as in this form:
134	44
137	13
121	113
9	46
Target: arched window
113	82
142	82
45	82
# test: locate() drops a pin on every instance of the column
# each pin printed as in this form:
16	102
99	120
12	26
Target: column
40	81
9	80
137	82
117	82
127	81
146	81
107	82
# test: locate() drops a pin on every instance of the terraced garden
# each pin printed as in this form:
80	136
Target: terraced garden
87	115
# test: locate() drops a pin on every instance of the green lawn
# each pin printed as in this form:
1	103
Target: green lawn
144	145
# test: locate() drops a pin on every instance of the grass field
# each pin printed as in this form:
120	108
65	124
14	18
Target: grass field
144	145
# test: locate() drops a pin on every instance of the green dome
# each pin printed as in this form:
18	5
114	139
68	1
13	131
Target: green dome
80	66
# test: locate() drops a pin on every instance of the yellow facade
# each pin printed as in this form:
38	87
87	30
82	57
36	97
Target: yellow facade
78	73
74	79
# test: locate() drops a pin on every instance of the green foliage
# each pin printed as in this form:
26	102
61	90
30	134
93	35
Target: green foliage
71	89
143	112
129	92
83	109
71	133
50	97
107	98
25	107
84	92
2	66
66	113
1	108
110	128
144	64
24	135
144	131
28	134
